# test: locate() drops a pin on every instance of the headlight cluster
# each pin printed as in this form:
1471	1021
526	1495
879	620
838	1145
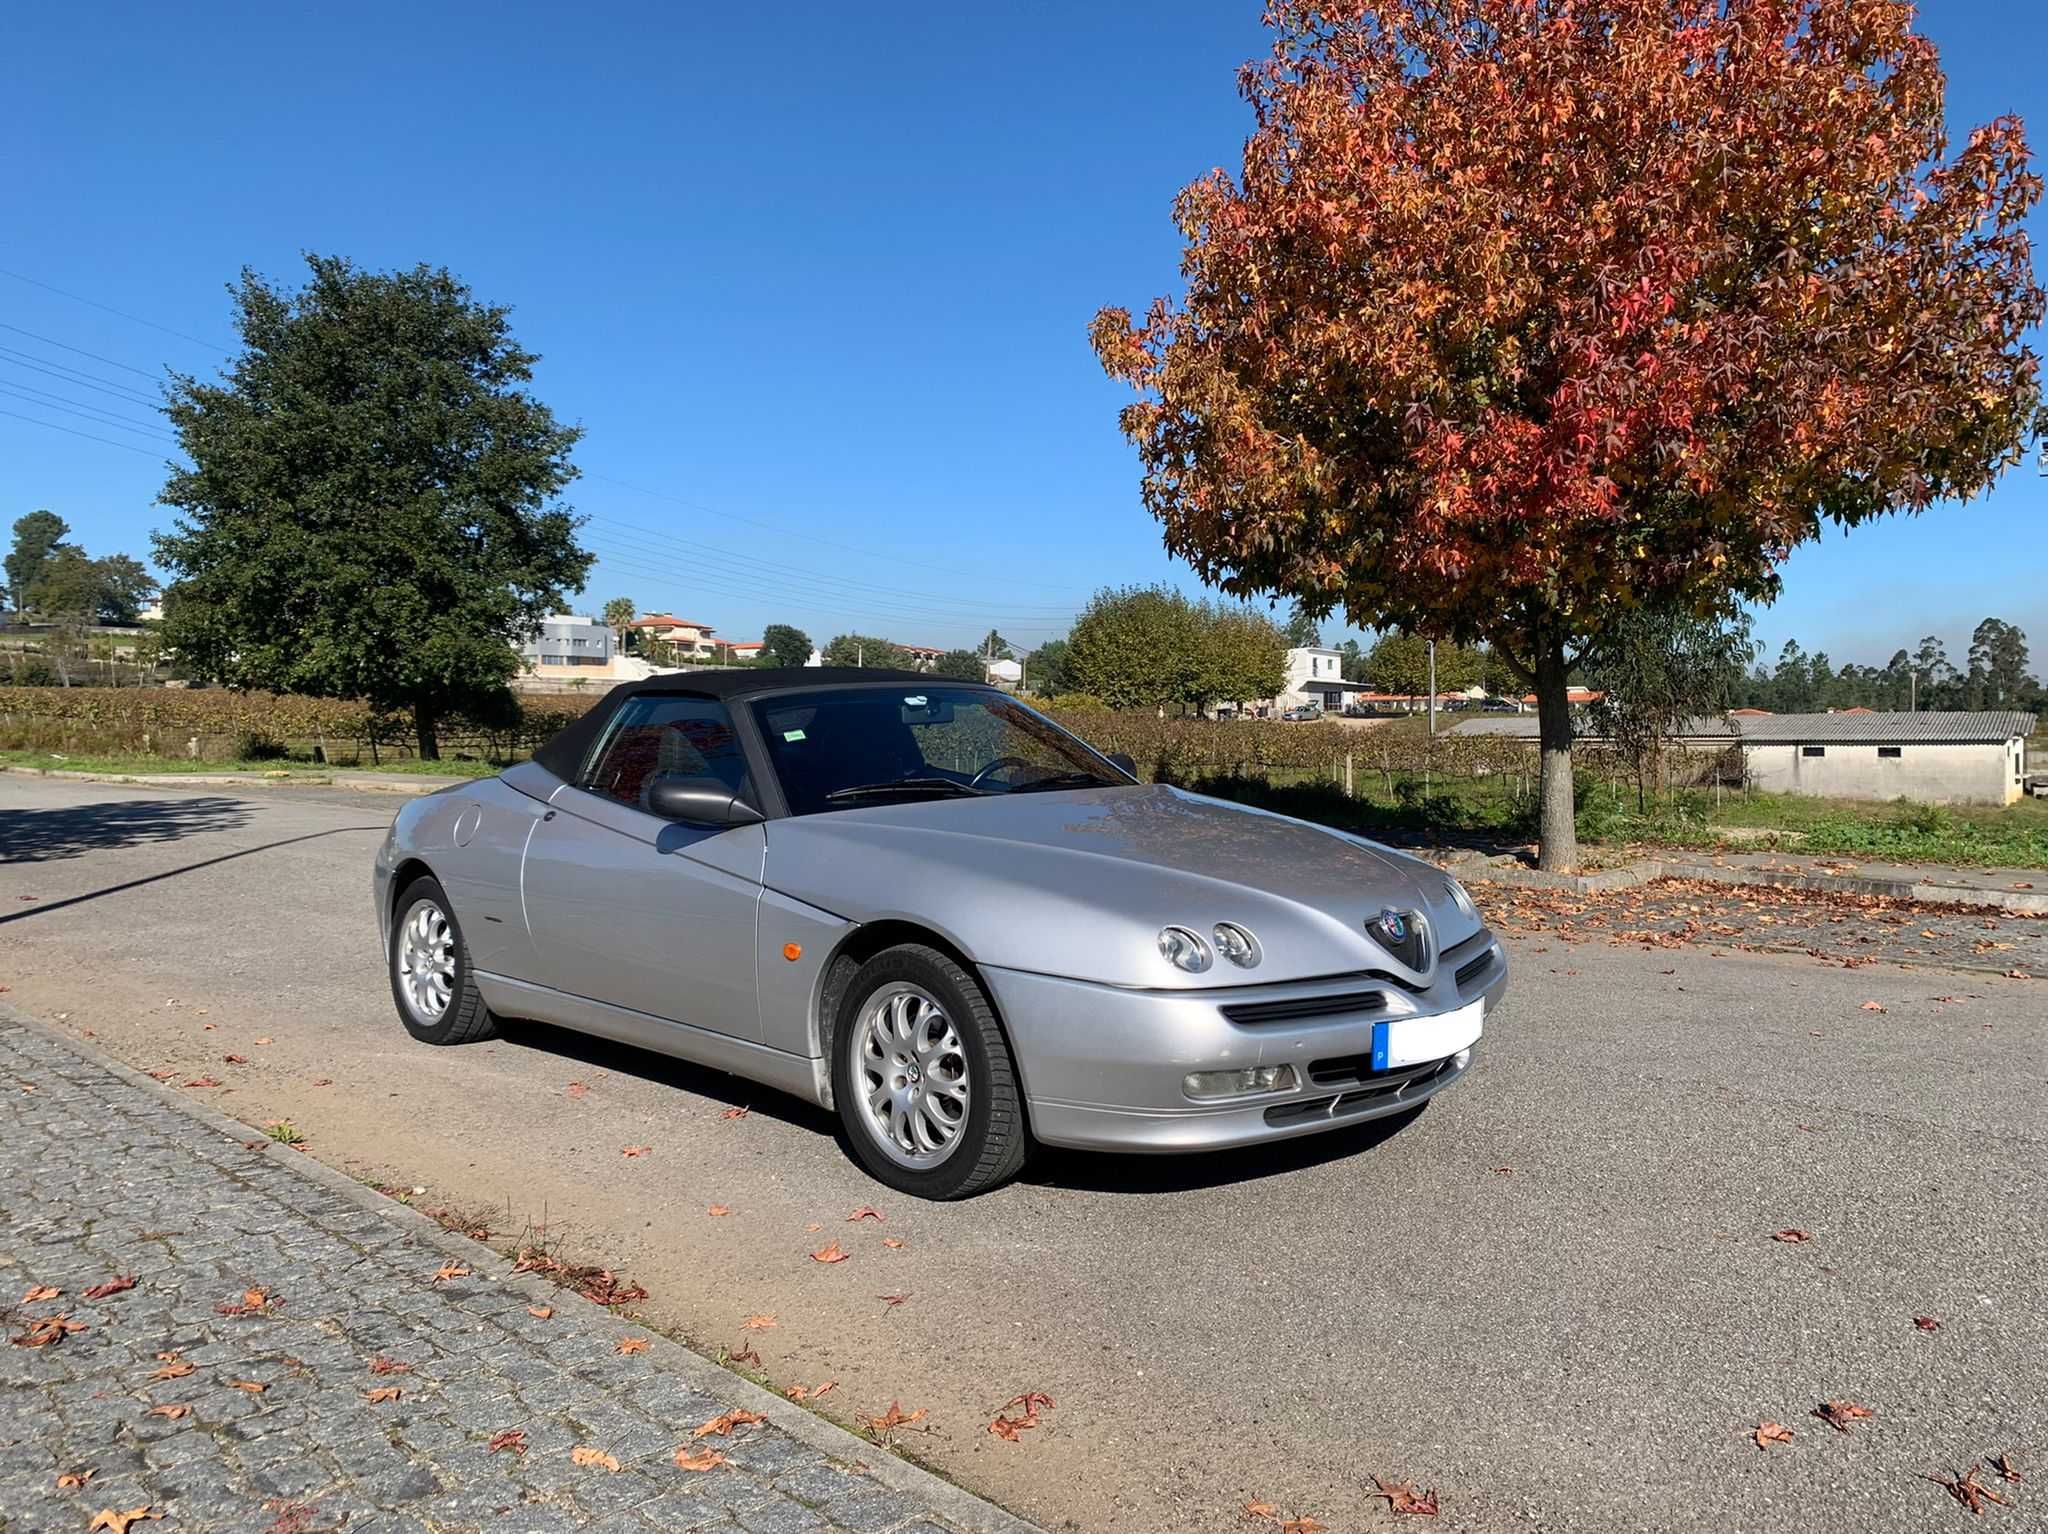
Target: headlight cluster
1186	949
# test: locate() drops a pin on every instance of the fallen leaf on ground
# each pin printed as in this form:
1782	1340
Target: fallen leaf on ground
71	1480
1927	1323
120	1283
576	1089
1839	1414
382	1365
1404	1498
1305	1524
702	1459
254	1387
891	1301
586	1456
825	1389
758	1324
630	1345
541	1312
813	1228
636	1150
39	1293
1768	1433
323	1081
891	1242
234	1059
1964	1488
2006	1469
169	1413
449	1270
798	1392
118	1523
829	1252
1008	1428
1873	1006
1792	1237
383	1393
717	1211
735	1113
865	1212
259	1041
254	1302
725	1422
1260	1510
744	1356
894	1417
1031	1401
202	1081
174	1369
512	1438
47	1331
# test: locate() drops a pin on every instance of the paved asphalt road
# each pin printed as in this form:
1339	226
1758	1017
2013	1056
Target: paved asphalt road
1554	1296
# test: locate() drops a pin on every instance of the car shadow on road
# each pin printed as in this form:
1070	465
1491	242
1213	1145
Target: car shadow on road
1103	1172
40	836
666	1070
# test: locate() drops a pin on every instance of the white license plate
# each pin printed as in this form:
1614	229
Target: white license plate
1416	1040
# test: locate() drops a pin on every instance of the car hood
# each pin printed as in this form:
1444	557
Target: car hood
1079	882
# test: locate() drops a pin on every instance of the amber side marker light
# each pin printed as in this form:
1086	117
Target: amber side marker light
792	951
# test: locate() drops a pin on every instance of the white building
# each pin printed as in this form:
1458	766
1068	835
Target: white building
1315	675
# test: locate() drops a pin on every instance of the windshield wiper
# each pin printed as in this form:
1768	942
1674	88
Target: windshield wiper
1064	780
904	786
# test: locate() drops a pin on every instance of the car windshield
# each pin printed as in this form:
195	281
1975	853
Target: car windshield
845	747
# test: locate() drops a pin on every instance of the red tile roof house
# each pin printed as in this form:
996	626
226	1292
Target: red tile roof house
690	638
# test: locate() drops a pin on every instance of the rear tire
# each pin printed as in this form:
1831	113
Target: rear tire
428	964
923	1077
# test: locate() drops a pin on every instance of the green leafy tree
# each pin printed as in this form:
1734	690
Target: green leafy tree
1353	667
1400	663
37	537
994	647
619	612
1658	668
1936	682
372	506
961	665
1134	646
786	645
110	590
1998	665
1046	668
867	650
1242	655
1302	629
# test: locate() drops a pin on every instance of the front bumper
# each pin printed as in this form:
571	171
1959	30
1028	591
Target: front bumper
1102	1065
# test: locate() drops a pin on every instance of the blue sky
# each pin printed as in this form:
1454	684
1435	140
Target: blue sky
817	277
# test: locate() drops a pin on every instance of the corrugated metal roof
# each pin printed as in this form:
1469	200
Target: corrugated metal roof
1886	729
1803	729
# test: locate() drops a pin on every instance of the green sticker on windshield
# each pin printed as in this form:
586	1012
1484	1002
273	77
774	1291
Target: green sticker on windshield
792	734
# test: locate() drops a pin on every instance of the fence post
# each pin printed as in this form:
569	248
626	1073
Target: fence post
1347	775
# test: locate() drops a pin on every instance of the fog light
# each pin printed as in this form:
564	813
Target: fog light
1260	1078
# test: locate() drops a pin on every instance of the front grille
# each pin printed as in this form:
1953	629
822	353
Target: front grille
1356	1070
1472	969
1253	1014
1383	1091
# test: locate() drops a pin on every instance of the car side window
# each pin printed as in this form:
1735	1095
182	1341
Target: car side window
656	737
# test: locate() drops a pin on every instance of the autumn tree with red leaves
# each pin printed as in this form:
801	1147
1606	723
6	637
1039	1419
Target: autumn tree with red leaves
1525	313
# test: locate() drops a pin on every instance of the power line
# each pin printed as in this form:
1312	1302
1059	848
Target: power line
53	426
68	347
71	375
92	303
83	407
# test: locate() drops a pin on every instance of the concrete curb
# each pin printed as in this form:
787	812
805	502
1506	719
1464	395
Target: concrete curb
362	782
1484	870
952	1503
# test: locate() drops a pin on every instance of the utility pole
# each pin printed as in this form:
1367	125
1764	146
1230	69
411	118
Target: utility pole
1432	687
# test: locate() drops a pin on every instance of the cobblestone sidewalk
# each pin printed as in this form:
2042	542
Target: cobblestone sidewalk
216	1407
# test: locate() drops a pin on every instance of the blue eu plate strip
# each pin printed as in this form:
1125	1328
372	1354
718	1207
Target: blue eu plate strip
1379	1046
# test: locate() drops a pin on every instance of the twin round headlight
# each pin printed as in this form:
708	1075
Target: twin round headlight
1186	949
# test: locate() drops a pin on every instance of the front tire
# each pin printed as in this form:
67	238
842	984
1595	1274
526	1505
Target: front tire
923	1077
429	966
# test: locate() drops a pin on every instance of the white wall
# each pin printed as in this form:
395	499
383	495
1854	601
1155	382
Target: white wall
1930	774
1304	665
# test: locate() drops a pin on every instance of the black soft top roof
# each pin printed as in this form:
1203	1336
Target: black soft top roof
563	755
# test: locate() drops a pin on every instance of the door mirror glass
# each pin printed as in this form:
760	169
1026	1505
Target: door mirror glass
699	801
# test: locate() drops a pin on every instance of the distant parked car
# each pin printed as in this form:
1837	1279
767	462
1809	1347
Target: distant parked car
1302	715
1499	706
926	906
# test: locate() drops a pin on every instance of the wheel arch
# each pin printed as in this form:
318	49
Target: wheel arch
861	945
408	872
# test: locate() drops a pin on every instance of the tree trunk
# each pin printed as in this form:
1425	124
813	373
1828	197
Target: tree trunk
1558	835
423	728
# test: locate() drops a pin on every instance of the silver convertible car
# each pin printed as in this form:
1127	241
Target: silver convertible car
926	906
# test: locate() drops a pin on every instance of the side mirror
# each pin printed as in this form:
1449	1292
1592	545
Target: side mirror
701	802
1121	760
